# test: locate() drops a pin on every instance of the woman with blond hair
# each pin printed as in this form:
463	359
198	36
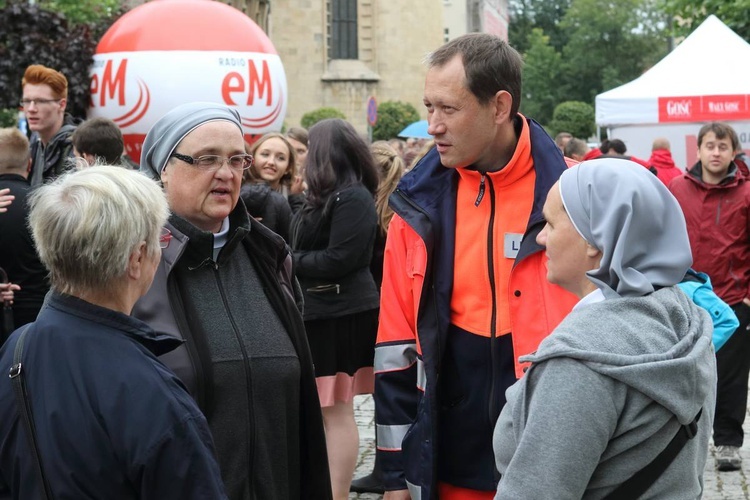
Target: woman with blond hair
275	164
390	168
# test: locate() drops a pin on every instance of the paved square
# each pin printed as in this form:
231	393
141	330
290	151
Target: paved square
717	485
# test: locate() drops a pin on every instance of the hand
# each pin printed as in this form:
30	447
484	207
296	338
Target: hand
746	301
5	199
298	185
397	495
6	292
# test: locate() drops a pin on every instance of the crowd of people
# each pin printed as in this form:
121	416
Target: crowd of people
534	318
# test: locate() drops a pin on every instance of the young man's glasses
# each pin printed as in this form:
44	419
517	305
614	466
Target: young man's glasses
38	102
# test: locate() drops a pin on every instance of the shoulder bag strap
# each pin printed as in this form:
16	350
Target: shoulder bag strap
642	480
24	408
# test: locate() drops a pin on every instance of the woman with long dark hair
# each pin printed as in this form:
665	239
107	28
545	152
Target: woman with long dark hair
332	238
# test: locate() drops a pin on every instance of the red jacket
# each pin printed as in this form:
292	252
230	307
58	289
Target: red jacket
666	170
718	223
592	154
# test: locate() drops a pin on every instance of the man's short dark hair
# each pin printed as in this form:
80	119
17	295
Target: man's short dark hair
99	137
491	65
721	131
613	146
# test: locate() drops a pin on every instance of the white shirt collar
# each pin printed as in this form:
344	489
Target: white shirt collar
220	238
592	298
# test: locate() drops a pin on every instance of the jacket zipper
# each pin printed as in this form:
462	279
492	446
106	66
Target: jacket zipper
493	292
480	195
246	366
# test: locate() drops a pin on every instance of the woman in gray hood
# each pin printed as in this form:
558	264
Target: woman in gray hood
611	386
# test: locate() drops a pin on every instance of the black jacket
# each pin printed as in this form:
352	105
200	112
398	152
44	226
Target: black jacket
18	254
56	153
269	207
333	248
203	371
111	420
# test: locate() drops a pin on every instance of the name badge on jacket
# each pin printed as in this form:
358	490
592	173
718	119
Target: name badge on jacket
512	245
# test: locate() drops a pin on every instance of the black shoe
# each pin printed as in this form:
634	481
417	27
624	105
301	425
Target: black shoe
368	484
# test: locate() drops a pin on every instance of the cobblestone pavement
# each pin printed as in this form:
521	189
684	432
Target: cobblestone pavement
364	414
728	485
717	485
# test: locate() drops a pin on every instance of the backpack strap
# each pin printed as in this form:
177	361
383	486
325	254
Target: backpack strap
642	480
24	409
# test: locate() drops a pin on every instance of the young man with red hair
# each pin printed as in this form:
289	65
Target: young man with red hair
45	95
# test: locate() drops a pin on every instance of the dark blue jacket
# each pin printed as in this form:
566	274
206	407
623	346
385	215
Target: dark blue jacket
112	421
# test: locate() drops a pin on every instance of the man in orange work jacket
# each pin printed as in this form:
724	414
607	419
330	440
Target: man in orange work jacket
464	290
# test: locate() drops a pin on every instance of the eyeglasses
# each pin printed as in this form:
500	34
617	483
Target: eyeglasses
39	102
164	238
209	163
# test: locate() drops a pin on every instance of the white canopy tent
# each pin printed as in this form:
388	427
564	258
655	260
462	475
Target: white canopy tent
705	78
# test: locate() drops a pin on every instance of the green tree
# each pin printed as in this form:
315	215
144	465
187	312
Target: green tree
83	11
8	117
78	11
733	13
610	43
312	117
541	78
393	116
32	35
576	49
526	15
575	117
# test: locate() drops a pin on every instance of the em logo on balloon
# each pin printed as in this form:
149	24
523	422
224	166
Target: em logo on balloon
163	54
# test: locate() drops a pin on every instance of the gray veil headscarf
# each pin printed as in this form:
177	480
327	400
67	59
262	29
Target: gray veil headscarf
628	214
172	128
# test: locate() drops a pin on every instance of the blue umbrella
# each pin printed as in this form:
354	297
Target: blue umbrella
417	130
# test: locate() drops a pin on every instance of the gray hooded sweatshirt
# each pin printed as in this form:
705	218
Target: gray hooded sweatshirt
605	394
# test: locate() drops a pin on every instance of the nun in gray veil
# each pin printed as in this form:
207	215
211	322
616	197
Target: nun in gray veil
225	287
631	365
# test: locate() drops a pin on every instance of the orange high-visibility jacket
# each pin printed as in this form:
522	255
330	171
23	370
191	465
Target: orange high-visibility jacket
415	315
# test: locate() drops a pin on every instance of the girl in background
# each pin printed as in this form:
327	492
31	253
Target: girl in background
262	201
274	162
